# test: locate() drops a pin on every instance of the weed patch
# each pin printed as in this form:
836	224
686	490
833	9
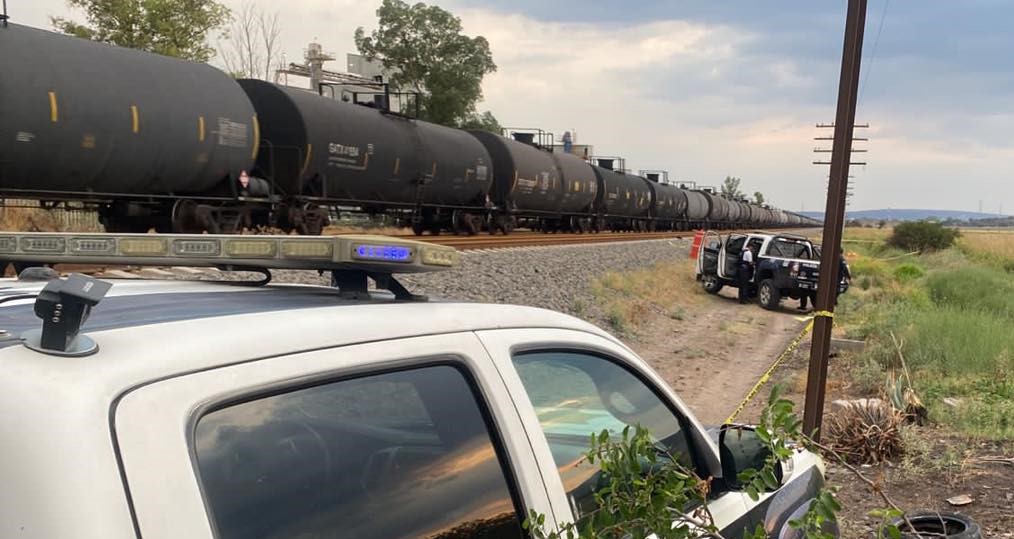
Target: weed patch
907	272
954	313
975	288
629	297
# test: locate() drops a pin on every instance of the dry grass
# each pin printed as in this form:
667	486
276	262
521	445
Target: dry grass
865	434
28	220
997	245
856	235
629	297
867	234
376	230
21	219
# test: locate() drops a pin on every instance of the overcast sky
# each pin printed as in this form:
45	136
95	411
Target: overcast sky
707	89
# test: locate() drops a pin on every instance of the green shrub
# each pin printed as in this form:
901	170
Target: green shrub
868	272
986	289
908	272
954	341
922	236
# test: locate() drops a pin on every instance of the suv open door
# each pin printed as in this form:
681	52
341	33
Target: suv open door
711	247
732	252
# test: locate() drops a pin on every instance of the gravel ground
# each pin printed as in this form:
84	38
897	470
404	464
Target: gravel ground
552	277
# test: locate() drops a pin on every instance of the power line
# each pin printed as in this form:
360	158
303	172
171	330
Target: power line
873	53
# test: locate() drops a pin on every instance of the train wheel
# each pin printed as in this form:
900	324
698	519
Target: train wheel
507	225
311	219
184	217
417	229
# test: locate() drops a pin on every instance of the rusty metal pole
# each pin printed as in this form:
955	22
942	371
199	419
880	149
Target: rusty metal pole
834	216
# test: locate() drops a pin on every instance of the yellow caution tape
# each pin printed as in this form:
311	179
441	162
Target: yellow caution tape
774	365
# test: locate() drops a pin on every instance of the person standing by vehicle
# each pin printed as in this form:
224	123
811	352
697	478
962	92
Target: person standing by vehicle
744	272
844	275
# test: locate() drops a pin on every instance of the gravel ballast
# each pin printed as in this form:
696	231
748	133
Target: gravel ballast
552	277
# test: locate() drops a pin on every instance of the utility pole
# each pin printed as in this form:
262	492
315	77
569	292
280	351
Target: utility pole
820	150
834	215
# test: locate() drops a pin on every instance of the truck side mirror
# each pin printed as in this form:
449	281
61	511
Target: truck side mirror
741	449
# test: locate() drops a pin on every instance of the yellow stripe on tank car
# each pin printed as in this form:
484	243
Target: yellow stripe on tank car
306	161
200	129
257	137
136	118
54	111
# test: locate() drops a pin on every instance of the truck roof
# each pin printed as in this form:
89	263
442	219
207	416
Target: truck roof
149	329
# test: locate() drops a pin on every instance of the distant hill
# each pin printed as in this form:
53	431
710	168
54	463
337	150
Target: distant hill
909	215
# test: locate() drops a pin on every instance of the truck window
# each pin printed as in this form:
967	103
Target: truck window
576	394
400	454
735	245
783	248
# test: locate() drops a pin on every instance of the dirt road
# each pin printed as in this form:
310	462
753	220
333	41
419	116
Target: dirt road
718	350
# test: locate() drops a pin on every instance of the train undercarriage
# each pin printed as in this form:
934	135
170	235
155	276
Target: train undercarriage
189	216
312	216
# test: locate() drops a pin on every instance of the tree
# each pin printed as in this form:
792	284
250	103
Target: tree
485	121
730	187
424	50
922	236
168	27
758	197
253	51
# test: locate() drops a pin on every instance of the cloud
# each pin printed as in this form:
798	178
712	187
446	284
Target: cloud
717	88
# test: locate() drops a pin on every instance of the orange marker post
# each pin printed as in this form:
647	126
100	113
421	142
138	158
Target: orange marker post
695	247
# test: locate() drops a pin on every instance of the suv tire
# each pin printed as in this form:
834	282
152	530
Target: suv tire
711	283
768	295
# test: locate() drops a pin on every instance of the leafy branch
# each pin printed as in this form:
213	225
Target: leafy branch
644	490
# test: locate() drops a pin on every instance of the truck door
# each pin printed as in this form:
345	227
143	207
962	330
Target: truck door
731	254
711	246
409	438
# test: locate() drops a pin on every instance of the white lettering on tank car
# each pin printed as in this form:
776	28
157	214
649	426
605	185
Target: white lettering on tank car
24	136
232	134
342	150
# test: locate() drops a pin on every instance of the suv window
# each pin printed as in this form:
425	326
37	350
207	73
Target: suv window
400	454
789	249
577	394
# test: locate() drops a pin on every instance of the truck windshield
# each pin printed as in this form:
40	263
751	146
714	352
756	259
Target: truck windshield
786	248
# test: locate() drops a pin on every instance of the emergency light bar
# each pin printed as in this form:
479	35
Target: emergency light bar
372	254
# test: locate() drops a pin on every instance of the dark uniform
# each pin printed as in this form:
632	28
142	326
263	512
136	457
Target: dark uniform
843	273
744	272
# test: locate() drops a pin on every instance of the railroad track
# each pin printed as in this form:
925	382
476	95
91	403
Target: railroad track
529	239
526	239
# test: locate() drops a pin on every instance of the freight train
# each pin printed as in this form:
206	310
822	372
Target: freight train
154	142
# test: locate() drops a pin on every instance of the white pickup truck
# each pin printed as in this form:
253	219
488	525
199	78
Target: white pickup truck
207	410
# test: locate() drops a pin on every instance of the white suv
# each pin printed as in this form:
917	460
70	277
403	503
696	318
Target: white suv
208	410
